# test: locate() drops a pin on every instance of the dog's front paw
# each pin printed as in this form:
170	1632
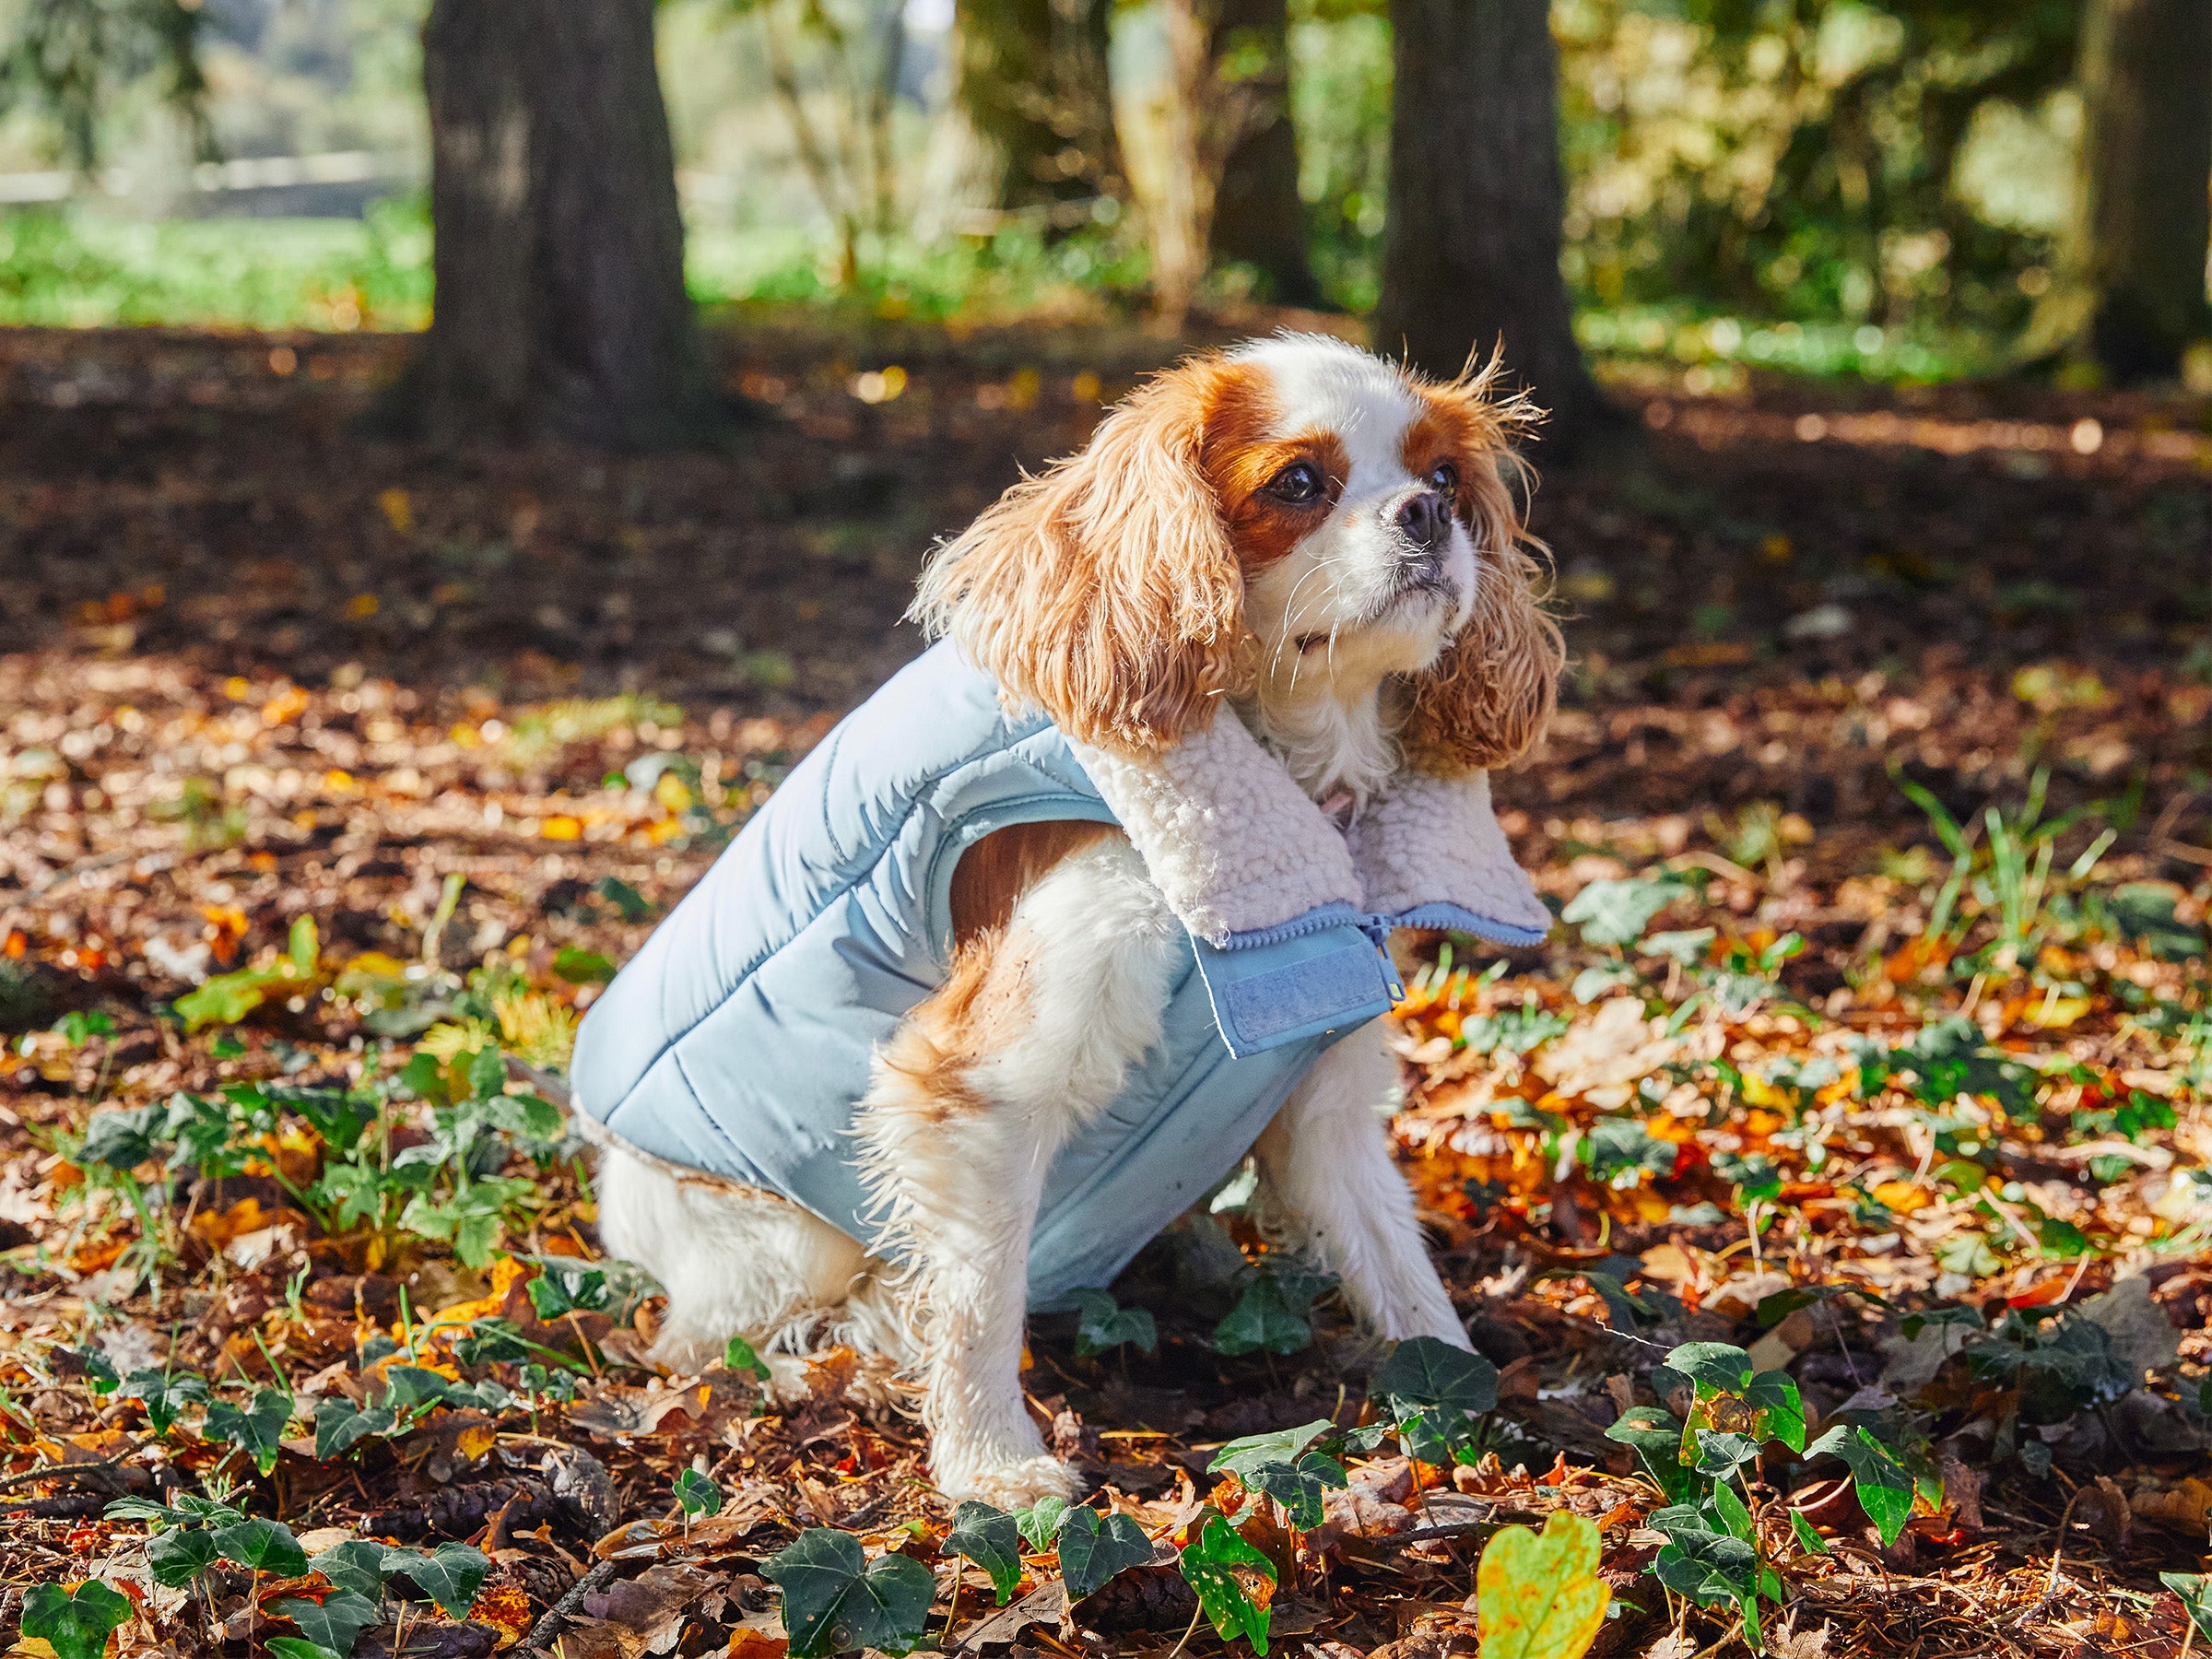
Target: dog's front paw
1013	1485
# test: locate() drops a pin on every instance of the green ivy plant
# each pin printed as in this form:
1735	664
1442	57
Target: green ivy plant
1704	1462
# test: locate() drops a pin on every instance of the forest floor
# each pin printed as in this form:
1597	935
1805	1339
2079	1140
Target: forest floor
1872	1045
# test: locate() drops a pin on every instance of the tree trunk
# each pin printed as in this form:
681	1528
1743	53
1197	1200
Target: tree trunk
560	310
2131	288
1259	218
1033	82
1471	252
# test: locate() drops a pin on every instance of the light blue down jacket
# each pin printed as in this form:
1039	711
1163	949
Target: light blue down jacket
738	1039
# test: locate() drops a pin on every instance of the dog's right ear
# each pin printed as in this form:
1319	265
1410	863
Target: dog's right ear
1105	591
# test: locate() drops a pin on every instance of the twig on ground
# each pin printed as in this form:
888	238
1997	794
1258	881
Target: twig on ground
543	1631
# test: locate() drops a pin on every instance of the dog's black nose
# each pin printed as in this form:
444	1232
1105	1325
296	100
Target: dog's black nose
1423	519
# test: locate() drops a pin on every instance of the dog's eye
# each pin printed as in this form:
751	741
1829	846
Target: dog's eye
1299	483
1444	478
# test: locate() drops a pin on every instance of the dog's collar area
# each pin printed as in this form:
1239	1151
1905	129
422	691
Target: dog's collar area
1243	853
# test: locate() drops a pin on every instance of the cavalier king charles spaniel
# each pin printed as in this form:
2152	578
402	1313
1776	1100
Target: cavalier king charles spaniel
1296	536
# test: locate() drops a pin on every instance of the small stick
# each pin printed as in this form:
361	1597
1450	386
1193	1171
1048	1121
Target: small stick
65	1471
542	1632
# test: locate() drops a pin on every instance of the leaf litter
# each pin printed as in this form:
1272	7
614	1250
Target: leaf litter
1827	1196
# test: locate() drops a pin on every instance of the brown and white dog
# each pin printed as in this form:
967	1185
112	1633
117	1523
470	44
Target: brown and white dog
1296	531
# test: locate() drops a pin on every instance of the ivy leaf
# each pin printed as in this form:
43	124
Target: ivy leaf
1778	1409
75	1623
836	1600
356	1565
1434	1390
559	1290
298	1647
1617	912
1538	1596
992	1540
340	1424
162	1396
1269	1317
737	1356
334	1622
1814	1544
256	1429
1280	1466
2193	1588
179	1554
1093	1551
1240	1457
265	1545
1235	1582
1883	1488
1720	1455
1041	1524
120	1138
448	1575
413	1387
1708	1567
1657	1438
1104	1324
1423	1371
1713	1365
1735	1514
698	1494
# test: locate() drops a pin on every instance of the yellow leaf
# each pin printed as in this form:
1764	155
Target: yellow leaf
1539	1596
563	827
1902	1196
398	509
1758	1091
475	1441
2058	1012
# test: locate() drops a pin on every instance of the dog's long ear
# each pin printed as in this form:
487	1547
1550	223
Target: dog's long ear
1105	591
1491	695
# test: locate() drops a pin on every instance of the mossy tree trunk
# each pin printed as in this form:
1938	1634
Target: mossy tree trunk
1034	85
559	309
1259	218
1471	251
2130	293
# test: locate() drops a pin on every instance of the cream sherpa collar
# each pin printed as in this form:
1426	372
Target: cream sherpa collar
1243	854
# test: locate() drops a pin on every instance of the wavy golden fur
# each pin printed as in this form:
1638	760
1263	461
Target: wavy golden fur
1491	695
1105	591
1108	591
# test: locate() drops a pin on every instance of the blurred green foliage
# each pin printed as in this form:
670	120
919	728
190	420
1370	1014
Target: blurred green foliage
1866	187
1898	164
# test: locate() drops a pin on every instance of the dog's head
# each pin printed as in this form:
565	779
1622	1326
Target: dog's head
1294	508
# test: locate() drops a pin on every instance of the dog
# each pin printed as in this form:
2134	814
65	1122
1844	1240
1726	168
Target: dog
1293	558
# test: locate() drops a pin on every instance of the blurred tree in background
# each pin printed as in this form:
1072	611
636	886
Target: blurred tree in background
1915	186
1259	218
74	59
1800	160
1471	256
1034	86
560	309
2129	293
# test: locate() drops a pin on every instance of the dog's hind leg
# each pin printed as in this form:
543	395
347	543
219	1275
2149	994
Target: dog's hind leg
1328	1176
1031	1036
734	1261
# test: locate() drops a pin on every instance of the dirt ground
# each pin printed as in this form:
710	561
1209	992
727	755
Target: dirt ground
255	668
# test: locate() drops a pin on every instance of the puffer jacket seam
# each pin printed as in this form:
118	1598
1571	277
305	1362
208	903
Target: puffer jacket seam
874	860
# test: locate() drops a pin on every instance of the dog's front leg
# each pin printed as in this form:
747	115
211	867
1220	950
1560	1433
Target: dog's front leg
974	1095
1327	1165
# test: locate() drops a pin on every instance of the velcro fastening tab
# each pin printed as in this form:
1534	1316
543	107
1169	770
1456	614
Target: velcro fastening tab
1266	996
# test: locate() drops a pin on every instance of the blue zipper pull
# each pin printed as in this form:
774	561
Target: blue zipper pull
1378	930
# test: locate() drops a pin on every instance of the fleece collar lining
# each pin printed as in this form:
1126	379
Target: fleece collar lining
1240	850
